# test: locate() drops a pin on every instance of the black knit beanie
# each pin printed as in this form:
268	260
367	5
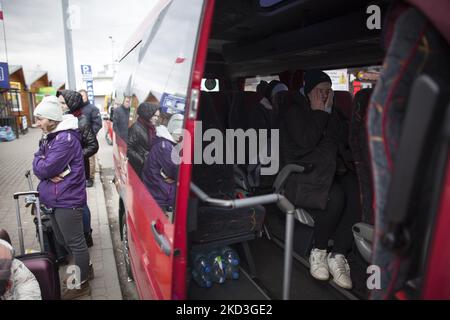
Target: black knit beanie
313	78
146	110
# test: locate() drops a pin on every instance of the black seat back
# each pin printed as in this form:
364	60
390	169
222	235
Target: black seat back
219	225
216	179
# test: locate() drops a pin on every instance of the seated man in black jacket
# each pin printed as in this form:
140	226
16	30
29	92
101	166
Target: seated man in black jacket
313	131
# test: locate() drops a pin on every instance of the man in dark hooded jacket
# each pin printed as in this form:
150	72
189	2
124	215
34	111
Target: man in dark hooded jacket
94	119
73	101
91	112
141	135
121	119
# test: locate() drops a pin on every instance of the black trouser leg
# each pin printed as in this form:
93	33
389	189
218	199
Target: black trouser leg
87	172
343	237
326	221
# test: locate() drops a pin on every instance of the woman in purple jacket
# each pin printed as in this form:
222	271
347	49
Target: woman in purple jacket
59	165
160	171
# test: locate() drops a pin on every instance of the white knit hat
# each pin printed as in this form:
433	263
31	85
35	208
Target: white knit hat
49	108
175	125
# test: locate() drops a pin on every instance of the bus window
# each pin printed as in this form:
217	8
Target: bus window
160	84
252	83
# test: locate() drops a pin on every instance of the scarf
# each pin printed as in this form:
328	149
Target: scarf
151	131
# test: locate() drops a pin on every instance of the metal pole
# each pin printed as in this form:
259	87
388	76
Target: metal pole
71	83
113	66
40	228
19	227
288	250
4	34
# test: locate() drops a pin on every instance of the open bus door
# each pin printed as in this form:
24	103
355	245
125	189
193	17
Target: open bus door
170	48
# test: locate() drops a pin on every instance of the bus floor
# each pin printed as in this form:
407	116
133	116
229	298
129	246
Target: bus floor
268	258
275	225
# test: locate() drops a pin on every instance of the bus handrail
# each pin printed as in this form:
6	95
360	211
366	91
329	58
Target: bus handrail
282	203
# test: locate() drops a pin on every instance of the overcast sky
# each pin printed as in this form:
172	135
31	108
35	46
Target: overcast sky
35	36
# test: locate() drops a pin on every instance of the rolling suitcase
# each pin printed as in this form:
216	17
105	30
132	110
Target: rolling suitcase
42	264
51	245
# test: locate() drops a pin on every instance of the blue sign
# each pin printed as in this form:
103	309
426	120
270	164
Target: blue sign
90	91
4	75
172	104
86	72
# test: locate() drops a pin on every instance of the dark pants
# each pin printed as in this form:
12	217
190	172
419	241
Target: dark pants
68	227
87	171
342	212
86	219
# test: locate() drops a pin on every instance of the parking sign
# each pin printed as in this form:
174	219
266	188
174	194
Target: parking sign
86	72
4	75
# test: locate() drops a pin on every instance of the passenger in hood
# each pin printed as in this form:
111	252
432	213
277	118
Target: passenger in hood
141	135
161	166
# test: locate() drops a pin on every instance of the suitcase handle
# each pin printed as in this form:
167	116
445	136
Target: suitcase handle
16	196
25	193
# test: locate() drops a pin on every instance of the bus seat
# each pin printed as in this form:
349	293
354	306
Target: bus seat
222	104
243	108
343	102
362	232
216	224
359	145
245	104
414	49
364	235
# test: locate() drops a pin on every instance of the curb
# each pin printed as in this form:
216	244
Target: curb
110	290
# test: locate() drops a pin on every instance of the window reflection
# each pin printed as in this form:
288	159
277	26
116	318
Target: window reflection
142	135
160	170
160	82
121	119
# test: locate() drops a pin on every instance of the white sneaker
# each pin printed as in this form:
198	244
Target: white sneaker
318	264
340	270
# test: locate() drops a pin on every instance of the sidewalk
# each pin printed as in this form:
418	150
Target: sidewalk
15	158
105	285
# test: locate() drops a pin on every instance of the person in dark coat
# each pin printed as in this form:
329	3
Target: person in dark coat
265	117
59	166
160	170
121	118
266	112
72	102
141	135
312	131
94	119
91	112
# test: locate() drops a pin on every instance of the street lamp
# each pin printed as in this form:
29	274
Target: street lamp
112	55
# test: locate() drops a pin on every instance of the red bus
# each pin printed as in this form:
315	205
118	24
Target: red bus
181	43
